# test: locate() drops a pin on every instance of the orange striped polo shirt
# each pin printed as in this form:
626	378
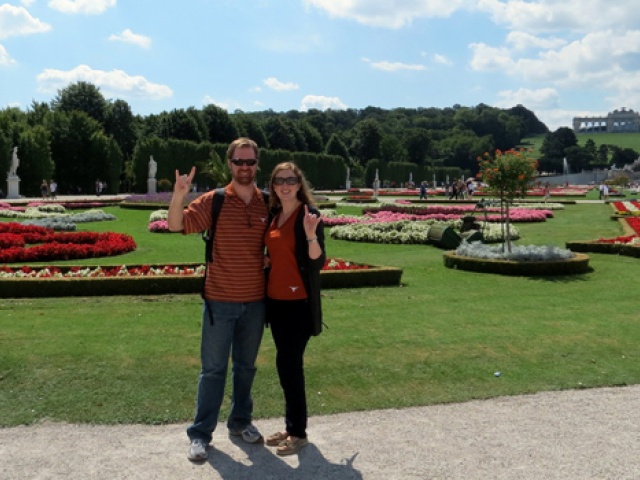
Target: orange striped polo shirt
236	273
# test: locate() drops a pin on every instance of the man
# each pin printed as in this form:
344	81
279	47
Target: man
53	188
233	307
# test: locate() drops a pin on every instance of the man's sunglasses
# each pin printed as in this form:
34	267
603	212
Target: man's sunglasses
241	163
287	180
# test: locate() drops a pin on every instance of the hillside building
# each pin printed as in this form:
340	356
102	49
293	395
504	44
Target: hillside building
618	121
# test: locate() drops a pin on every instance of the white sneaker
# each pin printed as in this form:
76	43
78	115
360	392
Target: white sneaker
197	450
249	434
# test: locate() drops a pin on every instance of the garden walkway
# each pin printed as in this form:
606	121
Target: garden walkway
567	435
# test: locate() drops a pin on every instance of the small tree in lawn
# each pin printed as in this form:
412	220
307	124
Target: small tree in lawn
508	175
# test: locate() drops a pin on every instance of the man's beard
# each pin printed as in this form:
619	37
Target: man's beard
244	180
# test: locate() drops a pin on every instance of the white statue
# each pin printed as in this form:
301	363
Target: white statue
153	167
348	174
15	162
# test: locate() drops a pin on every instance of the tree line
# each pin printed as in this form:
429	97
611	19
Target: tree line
80	137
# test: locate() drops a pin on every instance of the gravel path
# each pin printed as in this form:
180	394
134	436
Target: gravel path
576	434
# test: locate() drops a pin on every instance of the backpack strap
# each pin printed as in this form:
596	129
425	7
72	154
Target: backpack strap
207	235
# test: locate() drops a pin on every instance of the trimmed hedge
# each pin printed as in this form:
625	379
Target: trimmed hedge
171	284
575	265
608	248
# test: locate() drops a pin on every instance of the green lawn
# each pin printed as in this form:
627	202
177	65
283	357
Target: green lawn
438	338
622	140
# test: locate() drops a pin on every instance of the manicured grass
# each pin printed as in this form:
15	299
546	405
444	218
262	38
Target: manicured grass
438	338
622	140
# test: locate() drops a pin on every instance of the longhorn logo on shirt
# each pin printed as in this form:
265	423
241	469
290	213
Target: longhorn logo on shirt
293	289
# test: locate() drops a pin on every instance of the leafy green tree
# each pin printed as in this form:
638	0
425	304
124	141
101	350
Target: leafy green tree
417	143
554	144
279	134
312	137
591	151
578	158
78	162
335	146
37	112
623	156
603	156
532	125
366	143
121	125
36	163
251	128
180	125
508	175
220	126
392	149
82	97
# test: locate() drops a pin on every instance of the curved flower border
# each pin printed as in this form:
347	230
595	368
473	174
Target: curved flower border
14	238
331	264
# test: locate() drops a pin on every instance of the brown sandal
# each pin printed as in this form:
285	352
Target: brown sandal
276	439
291	446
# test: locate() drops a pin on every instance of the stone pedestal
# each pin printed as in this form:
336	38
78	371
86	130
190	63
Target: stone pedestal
13	186
348	184
152	184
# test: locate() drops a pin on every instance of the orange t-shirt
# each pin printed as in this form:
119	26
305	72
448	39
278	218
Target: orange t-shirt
236	273
285	282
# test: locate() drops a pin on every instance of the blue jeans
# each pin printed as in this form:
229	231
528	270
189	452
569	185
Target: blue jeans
236	329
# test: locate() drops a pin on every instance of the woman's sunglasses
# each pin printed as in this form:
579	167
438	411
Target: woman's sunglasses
241	163
287	180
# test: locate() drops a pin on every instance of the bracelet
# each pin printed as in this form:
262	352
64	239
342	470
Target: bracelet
311	240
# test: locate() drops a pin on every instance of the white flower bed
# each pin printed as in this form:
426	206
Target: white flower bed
539	206
158	215
408	231
529	253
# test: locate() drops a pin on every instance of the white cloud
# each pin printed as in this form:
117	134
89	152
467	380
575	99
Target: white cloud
28	3
524	41
442	60
321	103
228	105
127	36
275	84
486	58
114	83
543	98
5	58
89	7
553	15
393	66
388	13
18	21
256	89
596	58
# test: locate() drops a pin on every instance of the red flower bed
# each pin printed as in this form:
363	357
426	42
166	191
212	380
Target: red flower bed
338	264
624	239
59	246
634	223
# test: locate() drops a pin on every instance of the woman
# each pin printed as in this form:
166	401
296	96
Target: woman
295	245
44	189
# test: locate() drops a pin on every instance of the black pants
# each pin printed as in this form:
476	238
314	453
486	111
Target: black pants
290	323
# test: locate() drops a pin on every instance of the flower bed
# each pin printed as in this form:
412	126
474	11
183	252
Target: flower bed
629	207
579	263
58	246
59	281
628	244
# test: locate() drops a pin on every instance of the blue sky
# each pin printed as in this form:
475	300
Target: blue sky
558	58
